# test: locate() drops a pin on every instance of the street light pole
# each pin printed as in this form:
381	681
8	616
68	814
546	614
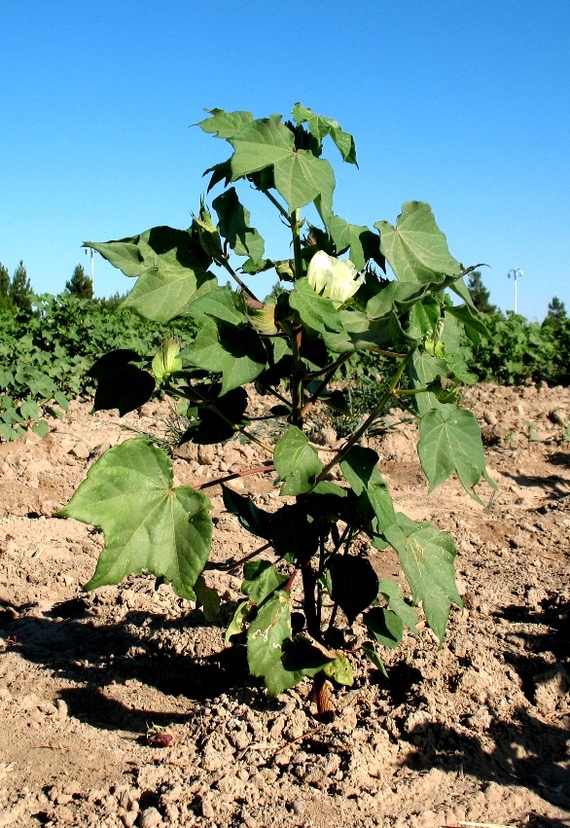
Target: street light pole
516	274
91	254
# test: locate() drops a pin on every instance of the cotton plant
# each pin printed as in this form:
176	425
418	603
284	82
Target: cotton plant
342	301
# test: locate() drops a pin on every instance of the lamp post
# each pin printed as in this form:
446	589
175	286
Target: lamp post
516	273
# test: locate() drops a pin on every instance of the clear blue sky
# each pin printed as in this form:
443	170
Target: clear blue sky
465	105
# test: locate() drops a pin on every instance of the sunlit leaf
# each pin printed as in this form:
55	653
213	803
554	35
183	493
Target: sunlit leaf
427	556
297	463
149	525
416	248
450	441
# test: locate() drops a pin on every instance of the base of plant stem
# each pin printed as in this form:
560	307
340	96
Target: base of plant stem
321	696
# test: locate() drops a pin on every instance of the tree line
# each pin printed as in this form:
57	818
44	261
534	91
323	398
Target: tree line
16	292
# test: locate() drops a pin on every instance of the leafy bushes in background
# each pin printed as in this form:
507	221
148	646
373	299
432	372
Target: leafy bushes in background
46	352
518	350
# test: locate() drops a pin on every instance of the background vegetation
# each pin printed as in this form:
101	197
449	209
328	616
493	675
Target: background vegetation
49	343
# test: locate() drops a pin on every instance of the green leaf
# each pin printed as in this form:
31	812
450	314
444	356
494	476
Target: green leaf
261	580
41	428
362	242
340	670
319	127
423	370
149	525
171	266
474	327
354	584
371	653
450	441
238	624
393	594
296	462
386	627
374	500
225	124
226	341
121	383
208	599
266	634
427	556
315	311
251	517
260	144
30	410
416	248
299	176
235	227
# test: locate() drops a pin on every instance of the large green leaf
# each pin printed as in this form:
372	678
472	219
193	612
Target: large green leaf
171	266
149	525
427	556
296	462
450	441
315	311
234	226
299	176
235	350
226	342
416	248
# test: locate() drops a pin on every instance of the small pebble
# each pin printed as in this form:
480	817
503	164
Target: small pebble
297	807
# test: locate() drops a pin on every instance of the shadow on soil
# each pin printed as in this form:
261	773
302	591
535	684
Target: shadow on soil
525	751
137	648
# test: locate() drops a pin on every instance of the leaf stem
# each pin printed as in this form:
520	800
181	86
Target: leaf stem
354	438
225	264
268	467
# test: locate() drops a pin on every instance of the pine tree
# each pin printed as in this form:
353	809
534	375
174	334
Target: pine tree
80	284
479	293
556	313
5	301
21	288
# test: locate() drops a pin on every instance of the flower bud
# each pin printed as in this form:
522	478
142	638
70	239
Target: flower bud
332	278
166	360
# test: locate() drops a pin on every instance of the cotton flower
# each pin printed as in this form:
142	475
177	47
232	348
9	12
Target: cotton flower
332	278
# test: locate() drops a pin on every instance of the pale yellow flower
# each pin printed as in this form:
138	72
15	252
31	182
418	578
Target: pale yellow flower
332	278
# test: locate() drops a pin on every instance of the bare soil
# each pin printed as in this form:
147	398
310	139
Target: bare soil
476	731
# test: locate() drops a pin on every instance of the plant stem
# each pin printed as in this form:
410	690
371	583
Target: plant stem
279	206
257	470
224	567
238	279
354	438
295	341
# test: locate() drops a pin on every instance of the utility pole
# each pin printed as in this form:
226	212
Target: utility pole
516	273
91	253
